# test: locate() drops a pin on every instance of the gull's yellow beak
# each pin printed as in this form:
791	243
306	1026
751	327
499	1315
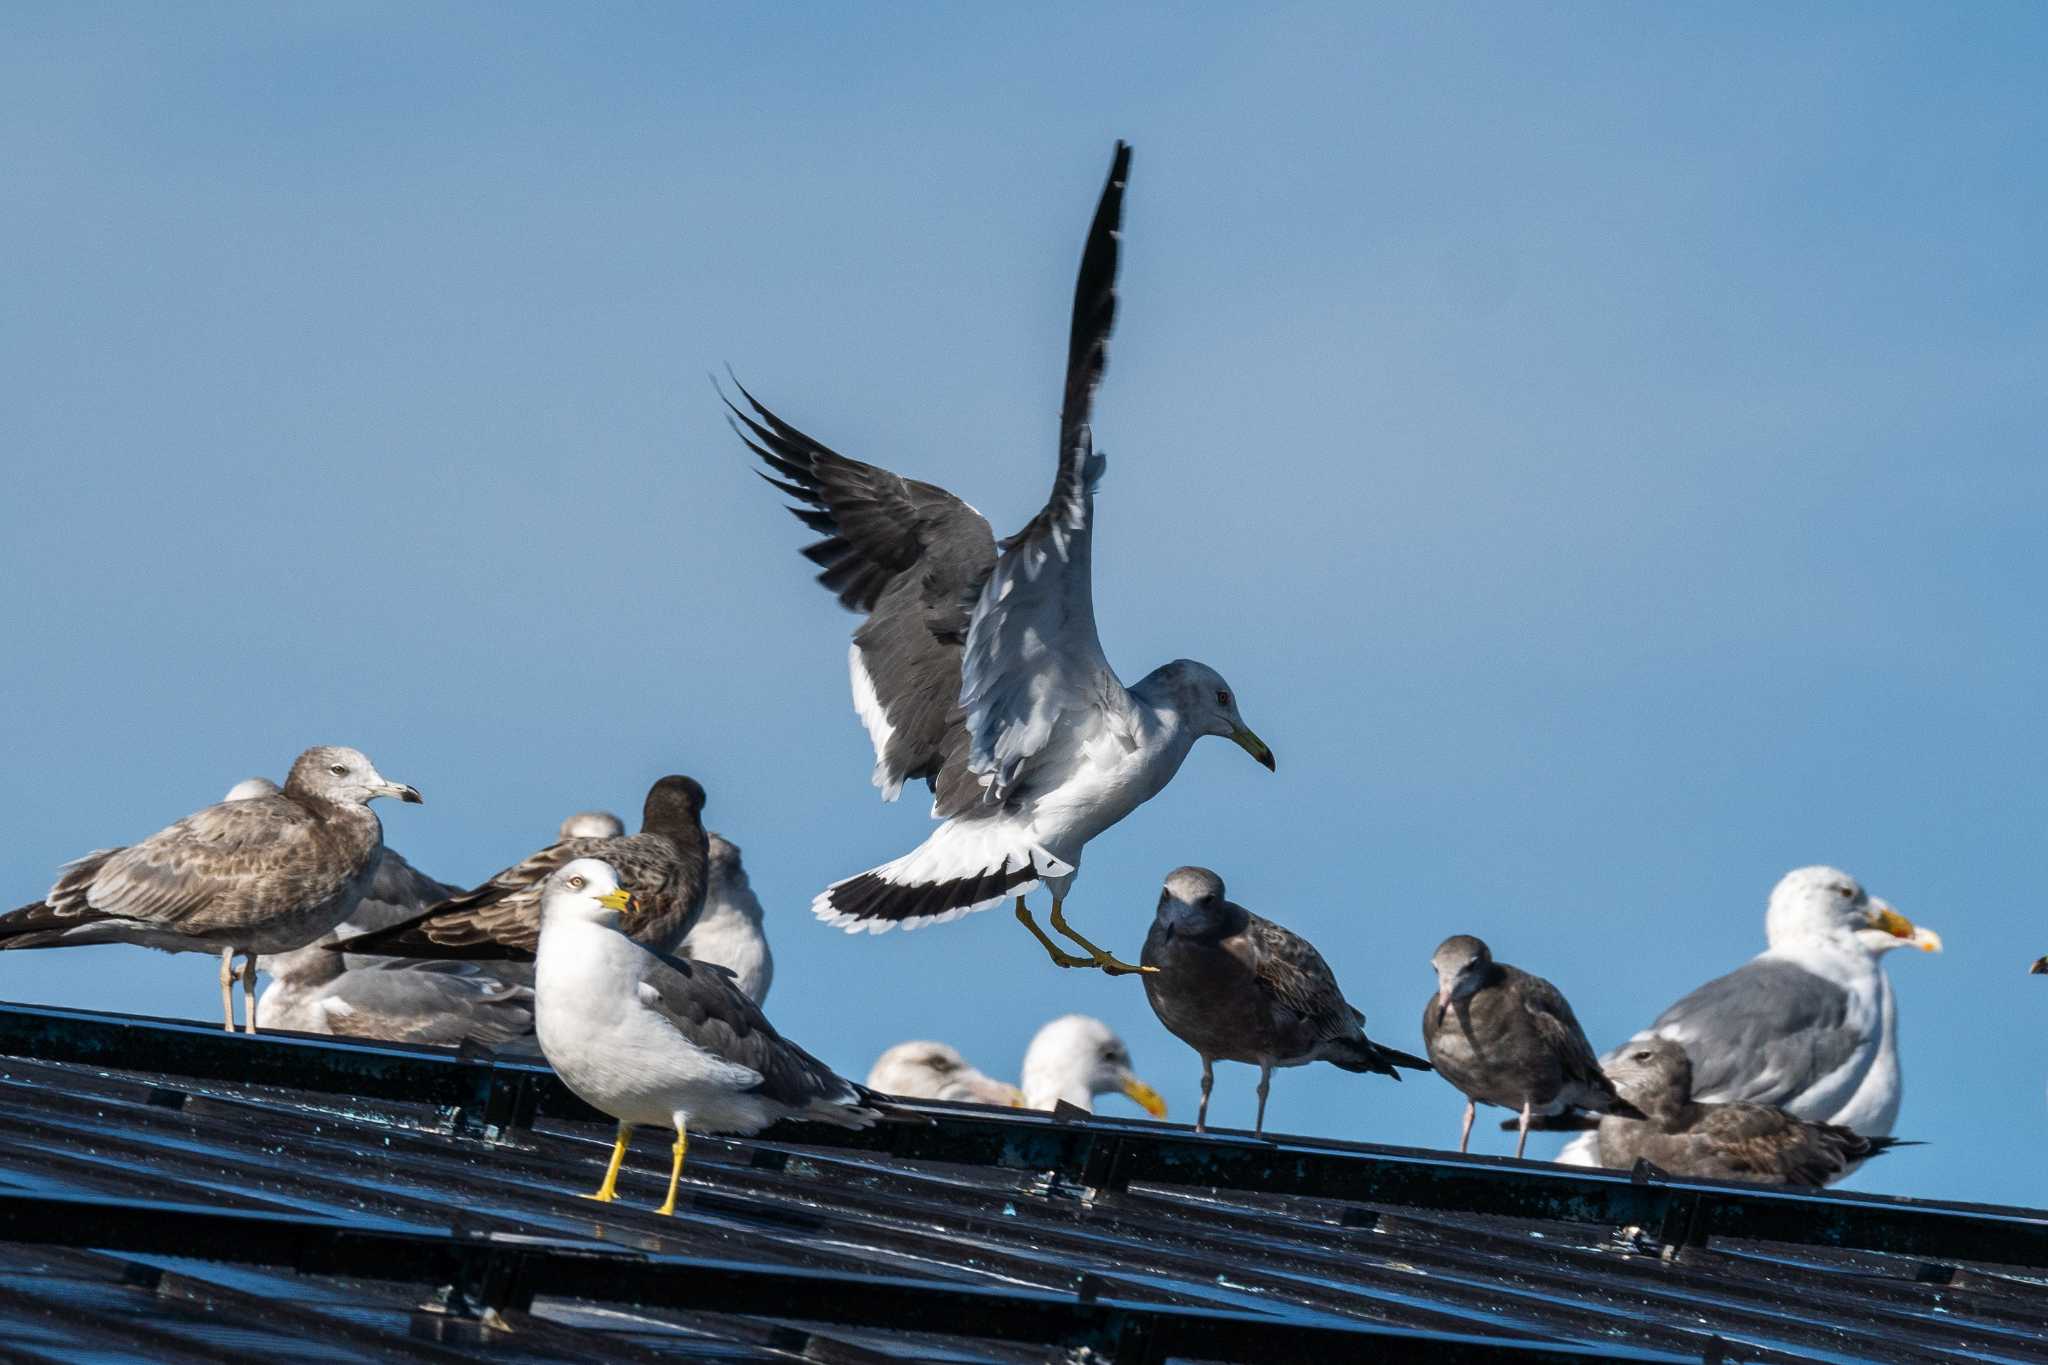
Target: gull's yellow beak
1146	1097
620	899
1898	926
1253	745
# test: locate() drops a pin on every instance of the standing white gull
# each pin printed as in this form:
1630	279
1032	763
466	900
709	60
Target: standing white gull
1810	1023
265	874
651	1039
729	931
979	669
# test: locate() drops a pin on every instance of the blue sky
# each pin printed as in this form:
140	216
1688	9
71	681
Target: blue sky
1601	445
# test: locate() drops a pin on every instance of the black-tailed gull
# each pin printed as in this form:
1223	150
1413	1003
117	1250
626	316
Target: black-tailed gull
1736	1141
979	669
925	1070
262	875
651	1039
1810	1023
729	931
1075	1058
1506	1038
1237	987
663	865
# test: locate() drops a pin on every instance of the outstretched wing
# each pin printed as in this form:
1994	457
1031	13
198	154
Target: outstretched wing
1032	651
913	558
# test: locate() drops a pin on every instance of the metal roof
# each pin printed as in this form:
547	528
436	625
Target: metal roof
169	1192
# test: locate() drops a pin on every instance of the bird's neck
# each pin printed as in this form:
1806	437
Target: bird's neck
1045	1084
1163	727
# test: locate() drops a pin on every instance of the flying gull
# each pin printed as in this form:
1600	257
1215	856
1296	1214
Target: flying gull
925	1070
1075	1058
1236	987
265	874
1735	1141
1507	1038
651	1039
978	668
729	931
591	824
1809	1024
662	865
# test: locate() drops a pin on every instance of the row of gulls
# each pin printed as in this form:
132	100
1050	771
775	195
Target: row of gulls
978	668
1071	1060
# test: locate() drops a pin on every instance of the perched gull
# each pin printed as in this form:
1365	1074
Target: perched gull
312	991
260	875
1739	1141
729	931
1507	1038
591	824
923	1070
662	865
1809	1024
658	1040
978	668
1239	988
1075	1058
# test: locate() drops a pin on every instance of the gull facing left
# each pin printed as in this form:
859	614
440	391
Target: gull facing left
653	1039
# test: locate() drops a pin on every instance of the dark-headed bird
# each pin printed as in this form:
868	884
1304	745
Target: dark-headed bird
1237	987
1683	1136
657	1040
978	668
265	874
1507	1038
663	866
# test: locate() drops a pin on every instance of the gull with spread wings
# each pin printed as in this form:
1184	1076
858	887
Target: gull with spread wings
978	668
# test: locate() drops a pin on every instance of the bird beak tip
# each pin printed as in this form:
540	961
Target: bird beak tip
1145	1097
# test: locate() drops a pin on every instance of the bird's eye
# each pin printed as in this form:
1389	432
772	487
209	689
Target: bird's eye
339	770
1642	1056
576	883
1846	892
1223	699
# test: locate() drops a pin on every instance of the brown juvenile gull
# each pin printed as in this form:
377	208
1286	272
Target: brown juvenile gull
729	932
663	866
1507	1038
262	875
1237	987
591	824
979	669
652	1039
1075	1058
925	1070
1682	1136
1809	1024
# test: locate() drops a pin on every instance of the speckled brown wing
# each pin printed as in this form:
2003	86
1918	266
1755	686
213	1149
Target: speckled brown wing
1551	1016
1294	976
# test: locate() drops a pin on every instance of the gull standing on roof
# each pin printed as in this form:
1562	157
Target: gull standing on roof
978	668
1810	1023
1737	1141
651	1039
265	874
662	865
1075	1058
729	931
1237	987
925	1070
1507	1038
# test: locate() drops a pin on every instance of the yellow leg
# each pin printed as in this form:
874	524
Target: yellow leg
1060	956
610	1189
675	1172
1098	957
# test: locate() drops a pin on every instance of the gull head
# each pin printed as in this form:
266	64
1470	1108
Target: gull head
934	1071
585	889
1206	704
1192	900
335	772
591	824
1075	1058
672	801
1826	903
1462	964
1653	1074
252	789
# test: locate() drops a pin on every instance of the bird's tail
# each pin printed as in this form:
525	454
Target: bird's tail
1361	1054
966	865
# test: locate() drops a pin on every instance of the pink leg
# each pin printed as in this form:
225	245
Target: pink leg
1465	1133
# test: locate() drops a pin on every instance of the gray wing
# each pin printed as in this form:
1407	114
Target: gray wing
219	869
437	1002
1290	970
701	1001
1033	654
1763	1034
909	555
